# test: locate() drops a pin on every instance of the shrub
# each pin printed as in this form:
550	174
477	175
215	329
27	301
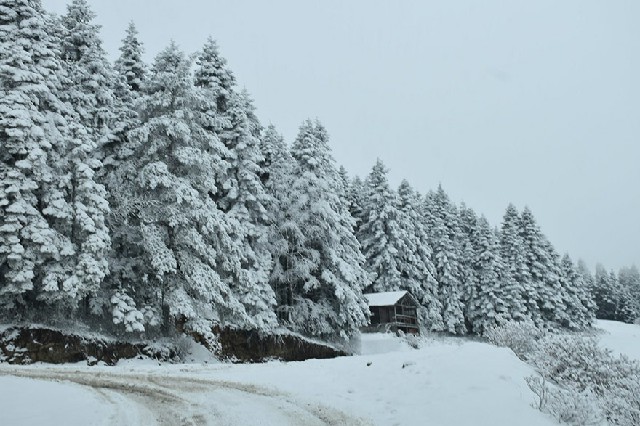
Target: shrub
583	373
519	336
566	405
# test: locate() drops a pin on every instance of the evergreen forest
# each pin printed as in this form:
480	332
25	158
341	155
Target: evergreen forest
141	198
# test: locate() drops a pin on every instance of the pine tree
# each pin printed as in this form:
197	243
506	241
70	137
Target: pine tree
277	176
587	277
240	191
356	199
379	232
91	78
247	204
613	296
87	89
542	283
343	177
130	77
441	220
465	241
277	164
626	309
417	272
579	307
33	130
277	157
604	294
488	305
318	273
193	252
75	238
629	278
520	302
212	72
125	285
130	64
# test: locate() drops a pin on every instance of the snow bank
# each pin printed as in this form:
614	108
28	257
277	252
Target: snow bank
380	343
441	384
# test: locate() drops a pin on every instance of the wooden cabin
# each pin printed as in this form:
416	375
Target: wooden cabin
393	310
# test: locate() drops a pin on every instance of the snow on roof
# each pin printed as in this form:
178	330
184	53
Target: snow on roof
386	298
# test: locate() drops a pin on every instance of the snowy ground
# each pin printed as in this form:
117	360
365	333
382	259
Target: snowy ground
620	338
447	381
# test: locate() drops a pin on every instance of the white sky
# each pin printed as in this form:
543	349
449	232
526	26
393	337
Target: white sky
531	102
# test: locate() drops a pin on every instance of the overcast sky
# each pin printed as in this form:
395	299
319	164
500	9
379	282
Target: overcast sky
533	102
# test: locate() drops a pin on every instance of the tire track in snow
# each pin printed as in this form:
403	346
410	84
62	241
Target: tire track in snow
190	401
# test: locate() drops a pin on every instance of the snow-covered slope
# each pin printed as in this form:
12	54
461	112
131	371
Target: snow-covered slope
621	338
448	382
445	382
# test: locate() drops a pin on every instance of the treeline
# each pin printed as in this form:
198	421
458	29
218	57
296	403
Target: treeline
616	295
469	276
139	198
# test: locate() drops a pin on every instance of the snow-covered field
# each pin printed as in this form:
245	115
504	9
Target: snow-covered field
620	338
448	381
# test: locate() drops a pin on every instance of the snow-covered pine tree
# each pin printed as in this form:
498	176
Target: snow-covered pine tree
130	77
441	220
246	203
612	297
91	78
277	169
318	274
33	131
417	272
125	286
212	72
488	306
543	292
277	164
192	251
130	64
87	91
629	278
519	303
345	184
277	157
587	277
356	200
379	232
240	192
467	223
213	77
604	292
579	310
626	309
586	298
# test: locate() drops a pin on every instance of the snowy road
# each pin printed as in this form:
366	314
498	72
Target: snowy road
148	399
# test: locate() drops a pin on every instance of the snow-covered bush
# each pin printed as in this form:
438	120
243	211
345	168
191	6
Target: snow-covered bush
586	375
519	336
415	341
574	360
125	312
566	405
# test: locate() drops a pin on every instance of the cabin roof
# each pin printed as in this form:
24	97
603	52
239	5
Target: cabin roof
387	298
